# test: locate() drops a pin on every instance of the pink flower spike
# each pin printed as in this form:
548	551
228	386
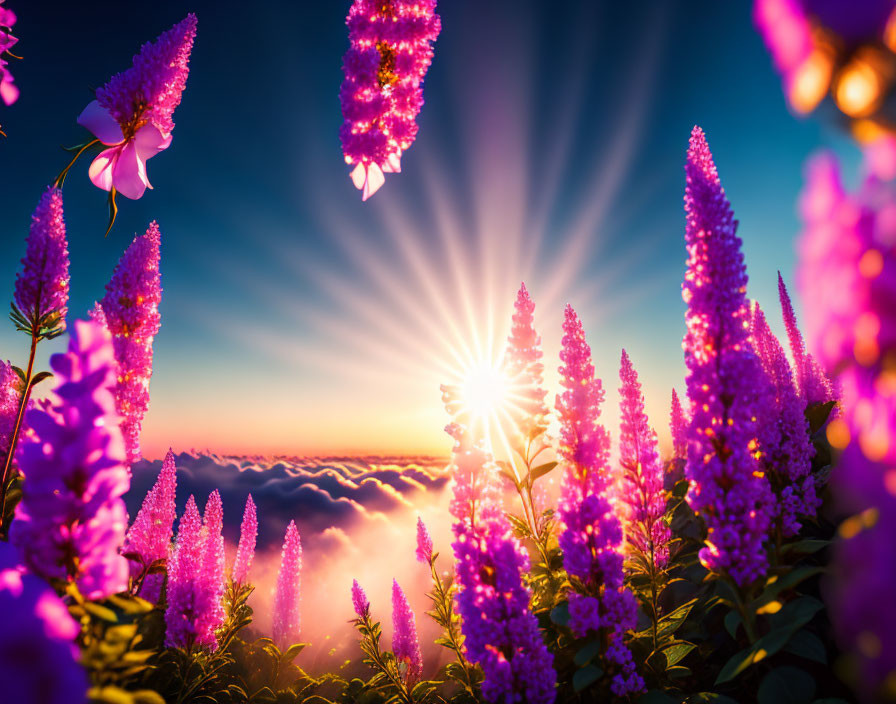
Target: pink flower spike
424	542
246	549
360	602
405	643
210	592
184	566
287	620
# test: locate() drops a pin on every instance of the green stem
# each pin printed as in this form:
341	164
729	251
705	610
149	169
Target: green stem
446	615
376	656
60	179
26	393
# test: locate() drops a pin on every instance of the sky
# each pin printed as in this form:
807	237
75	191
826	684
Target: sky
298	320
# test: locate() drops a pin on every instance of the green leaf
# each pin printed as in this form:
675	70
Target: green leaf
656	696
541	470
677	651
807	645
109	695
732	621
736	664
680	490
147	696
818	414
670	623
777	584
786	685
39	377
293	651
678	671
808	546
19	373
796	613
560	614
585	677
101	612
587	653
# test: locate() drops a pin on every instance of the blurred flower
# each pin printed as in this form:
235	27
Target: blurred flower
592	533
726	386
287	620
246	549
130	311
38	656
184	581
149	537
10	397
360	601
210	592
642	473
71	521
424	542
132	112
41	293
501	633
8	91
382	93
679	426
405	643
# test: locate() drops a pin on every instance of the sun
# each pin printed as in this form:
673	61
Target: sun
485	391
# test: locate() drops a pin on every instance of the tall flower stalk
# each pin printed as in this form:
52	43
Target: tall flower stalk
72	520
210	602
726	385
599	603
184	572
130	311
287	619
39	307
245	551
405	643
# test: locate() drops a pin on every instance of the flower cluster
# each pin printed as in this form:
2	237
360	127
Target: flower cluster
132	113
847	269
500	632
10	396
678	425
424	543
149	536
522	364
130	311
784	436
210	596
41	293
287	619
405	643
38	657
72	520
184	574
592	533
246	549
9	93
642	476
382	93
726	385
360	602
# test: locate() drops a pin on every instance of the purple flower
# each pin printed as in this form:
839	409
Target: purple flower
642	474
130	311
522	363
382	93
132	112
592	534
184	581
41	293
149	536
246	549
38	656
71	521
210	588
405	644
784	436
678	424
813	384
287	620
726	385
10	396
424	542
500	632
360	601
9	93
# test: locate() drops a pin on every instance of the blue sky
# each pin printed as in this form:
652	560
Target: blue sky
297	319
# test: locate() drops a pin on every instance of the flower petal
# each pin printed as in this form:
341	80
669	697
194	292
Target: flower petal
359	175
101	168
374	180
150	141
9	92
104	127
129	173
393	163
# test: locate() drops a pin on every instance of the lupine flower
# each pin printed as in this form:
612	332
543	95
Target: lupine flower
132	112
184	579
71	521
246	549
9	93
500	632
130	311
522	362
784	437
813	384
41	293
360	602
149	537
847	269
726	386
642	471
424	542
592	534
787	33
10	397
287	620
679	427
382	93
210	592
405	643
38	656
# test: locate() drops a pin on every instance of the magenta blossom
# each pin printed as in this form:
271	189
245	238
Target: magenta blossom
246	549
287	619
360	602
38	656
72	521
405	643
678	424
9	93
210	592
132	112
184	572
424	542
